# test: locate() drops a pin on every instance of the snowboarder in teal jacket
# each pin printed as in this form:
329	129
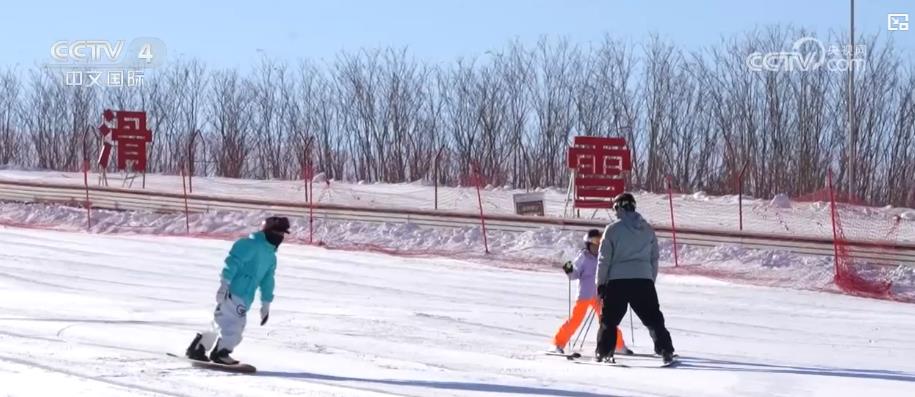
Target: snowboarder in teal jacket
251	264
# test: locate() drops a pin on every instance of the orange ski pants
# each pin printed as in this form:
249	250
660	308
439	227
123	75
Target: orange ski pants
578	315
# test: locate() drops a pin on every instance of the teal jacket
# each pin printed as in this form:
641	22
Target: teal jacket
251	264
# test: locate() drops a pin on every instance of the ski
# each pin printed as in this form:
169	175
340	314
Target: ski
627	365
240	368
577	355
605	364
569	356
630	361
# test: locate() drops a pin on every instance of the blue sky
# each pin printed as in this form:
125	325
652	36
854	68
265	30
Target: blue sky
230	33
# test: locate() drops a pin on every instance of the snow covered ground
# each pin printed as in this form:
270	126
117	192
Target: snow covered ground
91	314
693	210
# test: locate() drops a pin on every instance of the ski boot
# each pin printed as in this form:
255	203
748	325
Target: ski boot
604	358
196	351
668	357
221	356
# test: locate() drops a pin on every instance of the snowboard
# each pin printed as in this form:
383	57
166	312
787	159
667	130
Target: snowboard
240	368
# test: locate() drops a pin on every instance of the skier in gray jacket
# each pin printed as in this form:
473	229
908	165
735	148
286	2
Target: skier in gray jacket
627	267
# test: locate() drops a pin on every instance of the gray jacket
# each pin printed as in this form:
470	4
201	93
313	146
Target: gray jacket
629	249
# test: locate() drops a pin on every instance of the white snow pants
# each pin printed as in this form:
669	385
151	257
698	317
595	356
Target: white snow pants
228	324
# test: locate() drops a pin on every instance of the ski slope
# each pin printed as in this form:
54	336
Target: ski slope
94	315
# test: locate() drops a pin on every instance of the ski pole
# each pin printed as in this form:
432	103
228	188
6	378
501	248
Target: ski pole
631	328
587	320
588	329
570	298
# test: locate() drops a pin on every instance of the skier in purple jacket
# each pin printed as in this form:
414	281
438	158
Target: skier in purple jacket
584	269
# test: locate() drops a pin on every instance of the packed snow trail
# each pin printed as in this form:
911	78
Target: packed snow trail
85	314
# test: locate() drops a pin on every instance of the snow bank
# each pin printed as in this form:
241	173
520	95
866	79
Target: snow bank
319	178
780	200
697	210
541	249
700	196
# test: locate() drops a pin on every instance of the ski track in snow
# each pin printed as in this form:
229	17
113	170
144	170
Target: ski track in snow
95	314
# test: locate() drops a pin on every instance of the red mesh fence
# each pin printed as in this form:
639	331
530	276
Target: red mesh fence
856	272
866	239
860	233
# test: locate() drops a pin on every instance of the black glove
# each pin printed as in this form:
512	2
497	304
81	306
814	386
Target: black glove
601	290
567	267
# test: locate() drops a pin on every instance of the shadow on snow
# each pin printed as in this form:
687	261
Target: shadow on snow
465	386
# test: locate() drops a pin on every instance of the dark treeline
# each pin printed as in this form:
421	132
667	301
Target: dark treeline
382	115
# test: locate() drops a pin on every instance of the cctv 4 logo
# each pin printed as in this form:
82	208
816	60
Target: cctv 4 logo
95	51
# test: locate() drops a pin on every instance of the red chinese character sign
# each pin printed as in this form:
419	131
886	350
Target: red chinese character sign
128	131
597	165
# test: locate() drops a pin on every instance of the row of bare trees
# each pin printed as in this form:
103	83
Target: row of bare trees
702	117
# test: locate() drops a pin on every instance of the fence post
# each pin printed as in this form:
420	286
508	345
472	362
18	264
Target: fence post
305	178
187	214
835	233
435	183
308	181
307	167
740	192
311	205
190	160
740	202
88	204
479	180
673	224
435	174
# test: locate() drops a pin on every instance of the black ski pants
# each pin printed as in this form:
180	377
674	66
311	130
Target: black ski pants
642	296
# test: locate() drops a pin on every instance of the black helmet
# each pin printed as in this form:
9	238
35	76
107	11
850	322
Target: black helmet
276	224
590	235
624	201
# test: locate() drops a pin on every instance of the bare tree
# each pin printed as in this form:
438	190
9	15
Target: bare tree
10	138
554	106
703	117
232	122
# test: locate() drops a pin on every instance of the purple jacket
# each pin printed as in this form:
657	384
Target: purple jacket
585	267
